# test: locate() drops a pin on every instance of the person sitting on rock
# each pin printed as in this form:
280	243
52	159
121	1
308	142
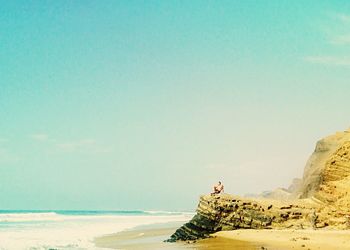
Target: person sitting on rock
218	188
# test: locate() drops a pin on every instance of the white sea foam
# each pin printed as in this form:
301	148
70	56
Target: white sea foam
42	231
27	217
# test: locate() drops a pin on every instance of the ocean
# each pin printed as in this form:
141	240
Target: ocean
73	230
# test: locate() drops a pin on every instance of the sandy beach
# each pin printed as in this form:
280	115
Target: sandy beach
238	239
292	239
152	239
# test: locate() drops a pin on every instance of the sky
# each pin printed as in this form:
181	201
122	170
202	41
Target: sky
115	105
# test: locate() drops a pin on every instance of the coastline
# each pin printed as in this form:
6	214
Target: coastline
76	229
151	238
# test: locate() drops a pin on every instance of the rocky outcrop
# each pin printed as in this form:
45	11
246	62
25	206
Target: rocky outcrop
320	199
226	212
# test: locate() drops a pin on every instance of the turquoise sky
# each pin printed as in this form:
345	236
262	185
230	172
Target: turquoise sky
146	104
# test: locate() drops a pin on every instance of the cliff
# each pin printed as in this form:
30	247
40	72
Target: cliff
318	169
326	177
321	199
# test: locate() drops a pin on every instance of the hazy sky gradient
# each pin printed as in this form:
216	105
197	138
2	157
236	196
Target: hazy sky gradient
146	104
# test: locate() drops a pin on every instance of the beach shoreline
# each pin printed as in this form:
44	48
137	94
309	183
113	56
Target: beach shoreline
148	238
242	239
65	229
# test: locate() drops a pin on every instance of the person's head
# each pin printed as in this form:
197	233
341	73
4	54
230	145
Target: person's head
219	182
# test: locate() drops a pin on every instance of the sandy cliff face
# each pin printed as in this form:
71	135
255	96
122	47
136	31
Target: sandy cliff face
317	169
326	179
335	184
334	189
320	199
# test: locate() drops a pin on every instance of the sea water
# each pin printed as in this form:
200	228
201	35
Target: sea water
72	230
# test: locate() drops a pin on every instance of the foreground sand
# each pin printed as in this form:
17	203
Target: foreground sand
152	239
243	239
292	239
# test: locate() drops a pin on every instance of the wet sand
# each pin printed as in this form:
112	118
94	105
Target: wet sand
152	239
